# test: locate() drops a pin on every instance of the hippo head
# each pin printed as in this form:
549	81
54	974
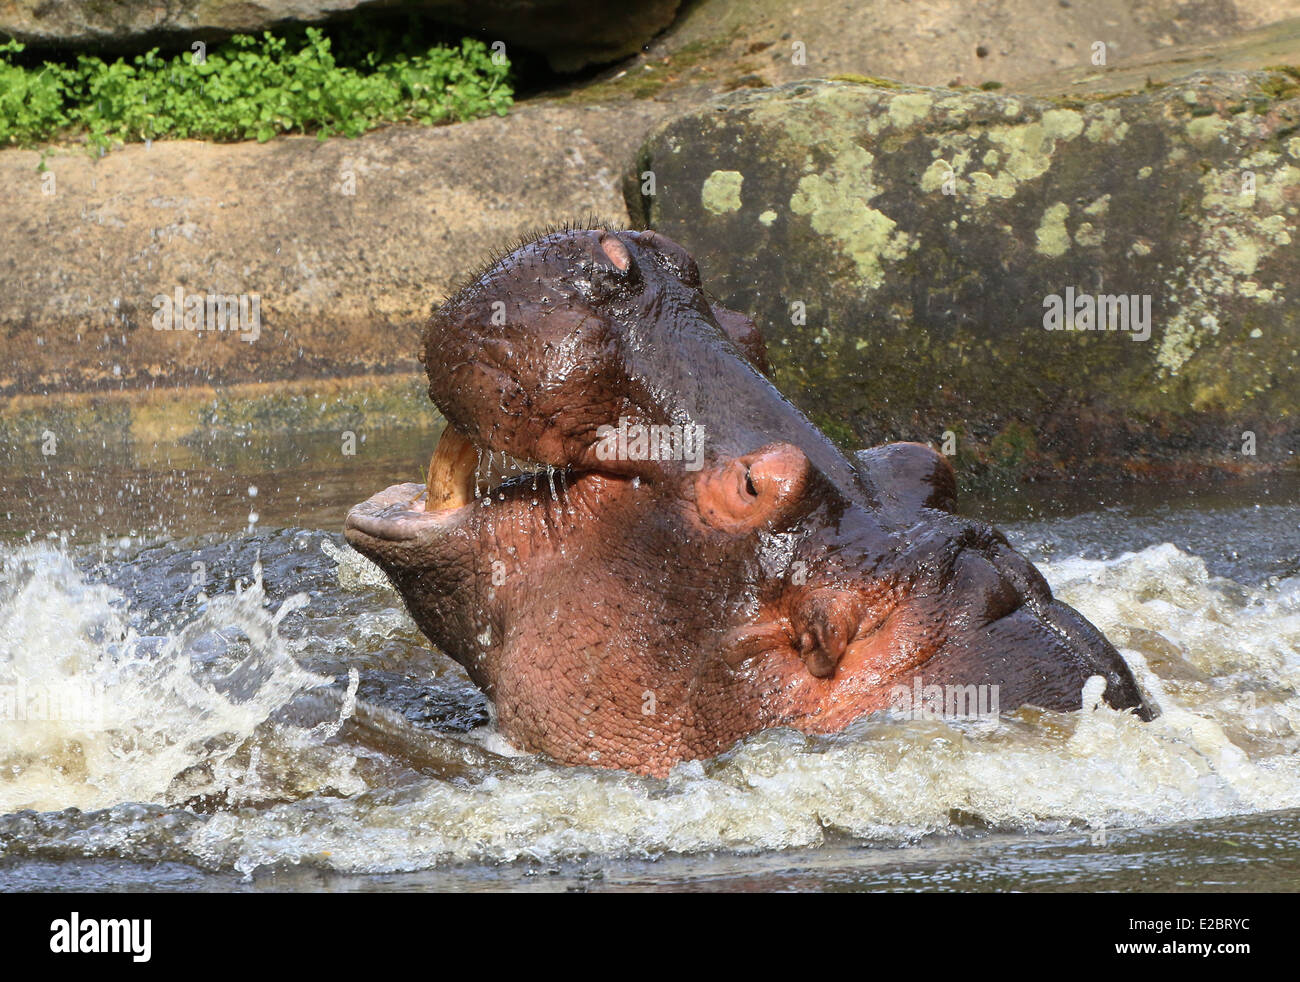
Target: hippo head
682	558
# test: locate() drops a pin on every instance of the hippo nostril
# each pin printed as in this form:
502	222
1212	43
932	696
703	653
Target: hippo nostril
830	627
820	662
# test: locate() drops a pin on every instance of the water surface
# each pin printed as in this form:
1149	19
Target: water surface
218	641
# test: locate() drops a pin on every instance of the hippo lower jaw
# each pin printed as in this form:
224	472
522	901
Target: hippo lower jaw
394	515
410	518
412	512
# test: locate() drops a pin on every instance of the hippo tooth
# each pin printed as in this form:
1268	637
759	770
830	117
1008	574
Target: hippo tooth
451	472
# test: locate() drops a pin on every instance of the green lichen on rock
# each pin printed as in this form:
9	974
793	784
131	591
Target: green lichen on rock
1052	237
1203	129
720	192
1010	154
909	108
836	204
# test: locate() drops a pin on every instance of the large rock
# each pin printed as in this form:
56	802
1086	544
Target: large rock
347	243
934	42
571	34
924	230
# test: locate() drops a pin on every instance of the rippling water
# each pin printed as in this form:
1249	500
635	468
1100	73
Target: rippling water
246	704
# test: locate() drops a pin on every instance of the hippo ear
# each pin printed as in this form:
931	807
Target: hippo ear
910	476
758	490
745	333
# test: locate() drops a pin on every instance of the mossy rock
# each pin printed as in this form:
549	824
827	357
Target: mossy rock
918	233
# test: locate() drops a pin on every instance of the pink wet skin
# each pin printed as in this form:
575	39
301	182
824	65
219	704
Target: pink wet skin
651	613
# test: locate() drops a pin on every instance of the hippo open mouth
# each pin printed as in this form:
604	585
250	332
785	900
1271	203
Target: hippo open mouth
686	558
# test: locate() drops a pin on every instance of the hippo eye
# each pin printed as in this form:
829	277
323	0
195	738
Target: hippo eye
691	273
749	485
670	257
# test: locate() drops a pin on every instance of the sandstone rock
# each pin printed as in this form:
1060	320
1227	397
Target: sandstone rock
934	42
345	280
347	243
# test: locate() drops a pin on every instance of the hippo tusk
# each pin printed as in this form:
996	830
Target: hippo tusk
451	472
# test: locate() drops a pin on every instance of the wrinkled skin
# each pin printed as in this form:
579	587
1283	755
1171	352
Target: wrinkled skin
647	612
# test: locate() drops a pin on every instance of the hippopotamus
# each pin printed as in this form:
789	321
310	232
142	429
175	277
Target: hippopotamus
686	558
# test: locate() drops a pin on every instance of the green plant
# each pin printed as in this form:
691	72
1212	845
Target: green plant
247	88
31	102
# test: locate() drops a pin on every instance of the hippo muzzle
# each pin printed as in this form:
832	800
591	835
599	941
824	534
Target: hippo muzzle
643	552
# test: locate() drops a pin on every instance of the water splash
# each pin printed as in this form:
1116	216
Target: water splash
1221	658
173	712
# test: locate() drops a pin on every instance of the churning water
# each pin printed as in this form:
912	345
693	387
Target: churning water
254	706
